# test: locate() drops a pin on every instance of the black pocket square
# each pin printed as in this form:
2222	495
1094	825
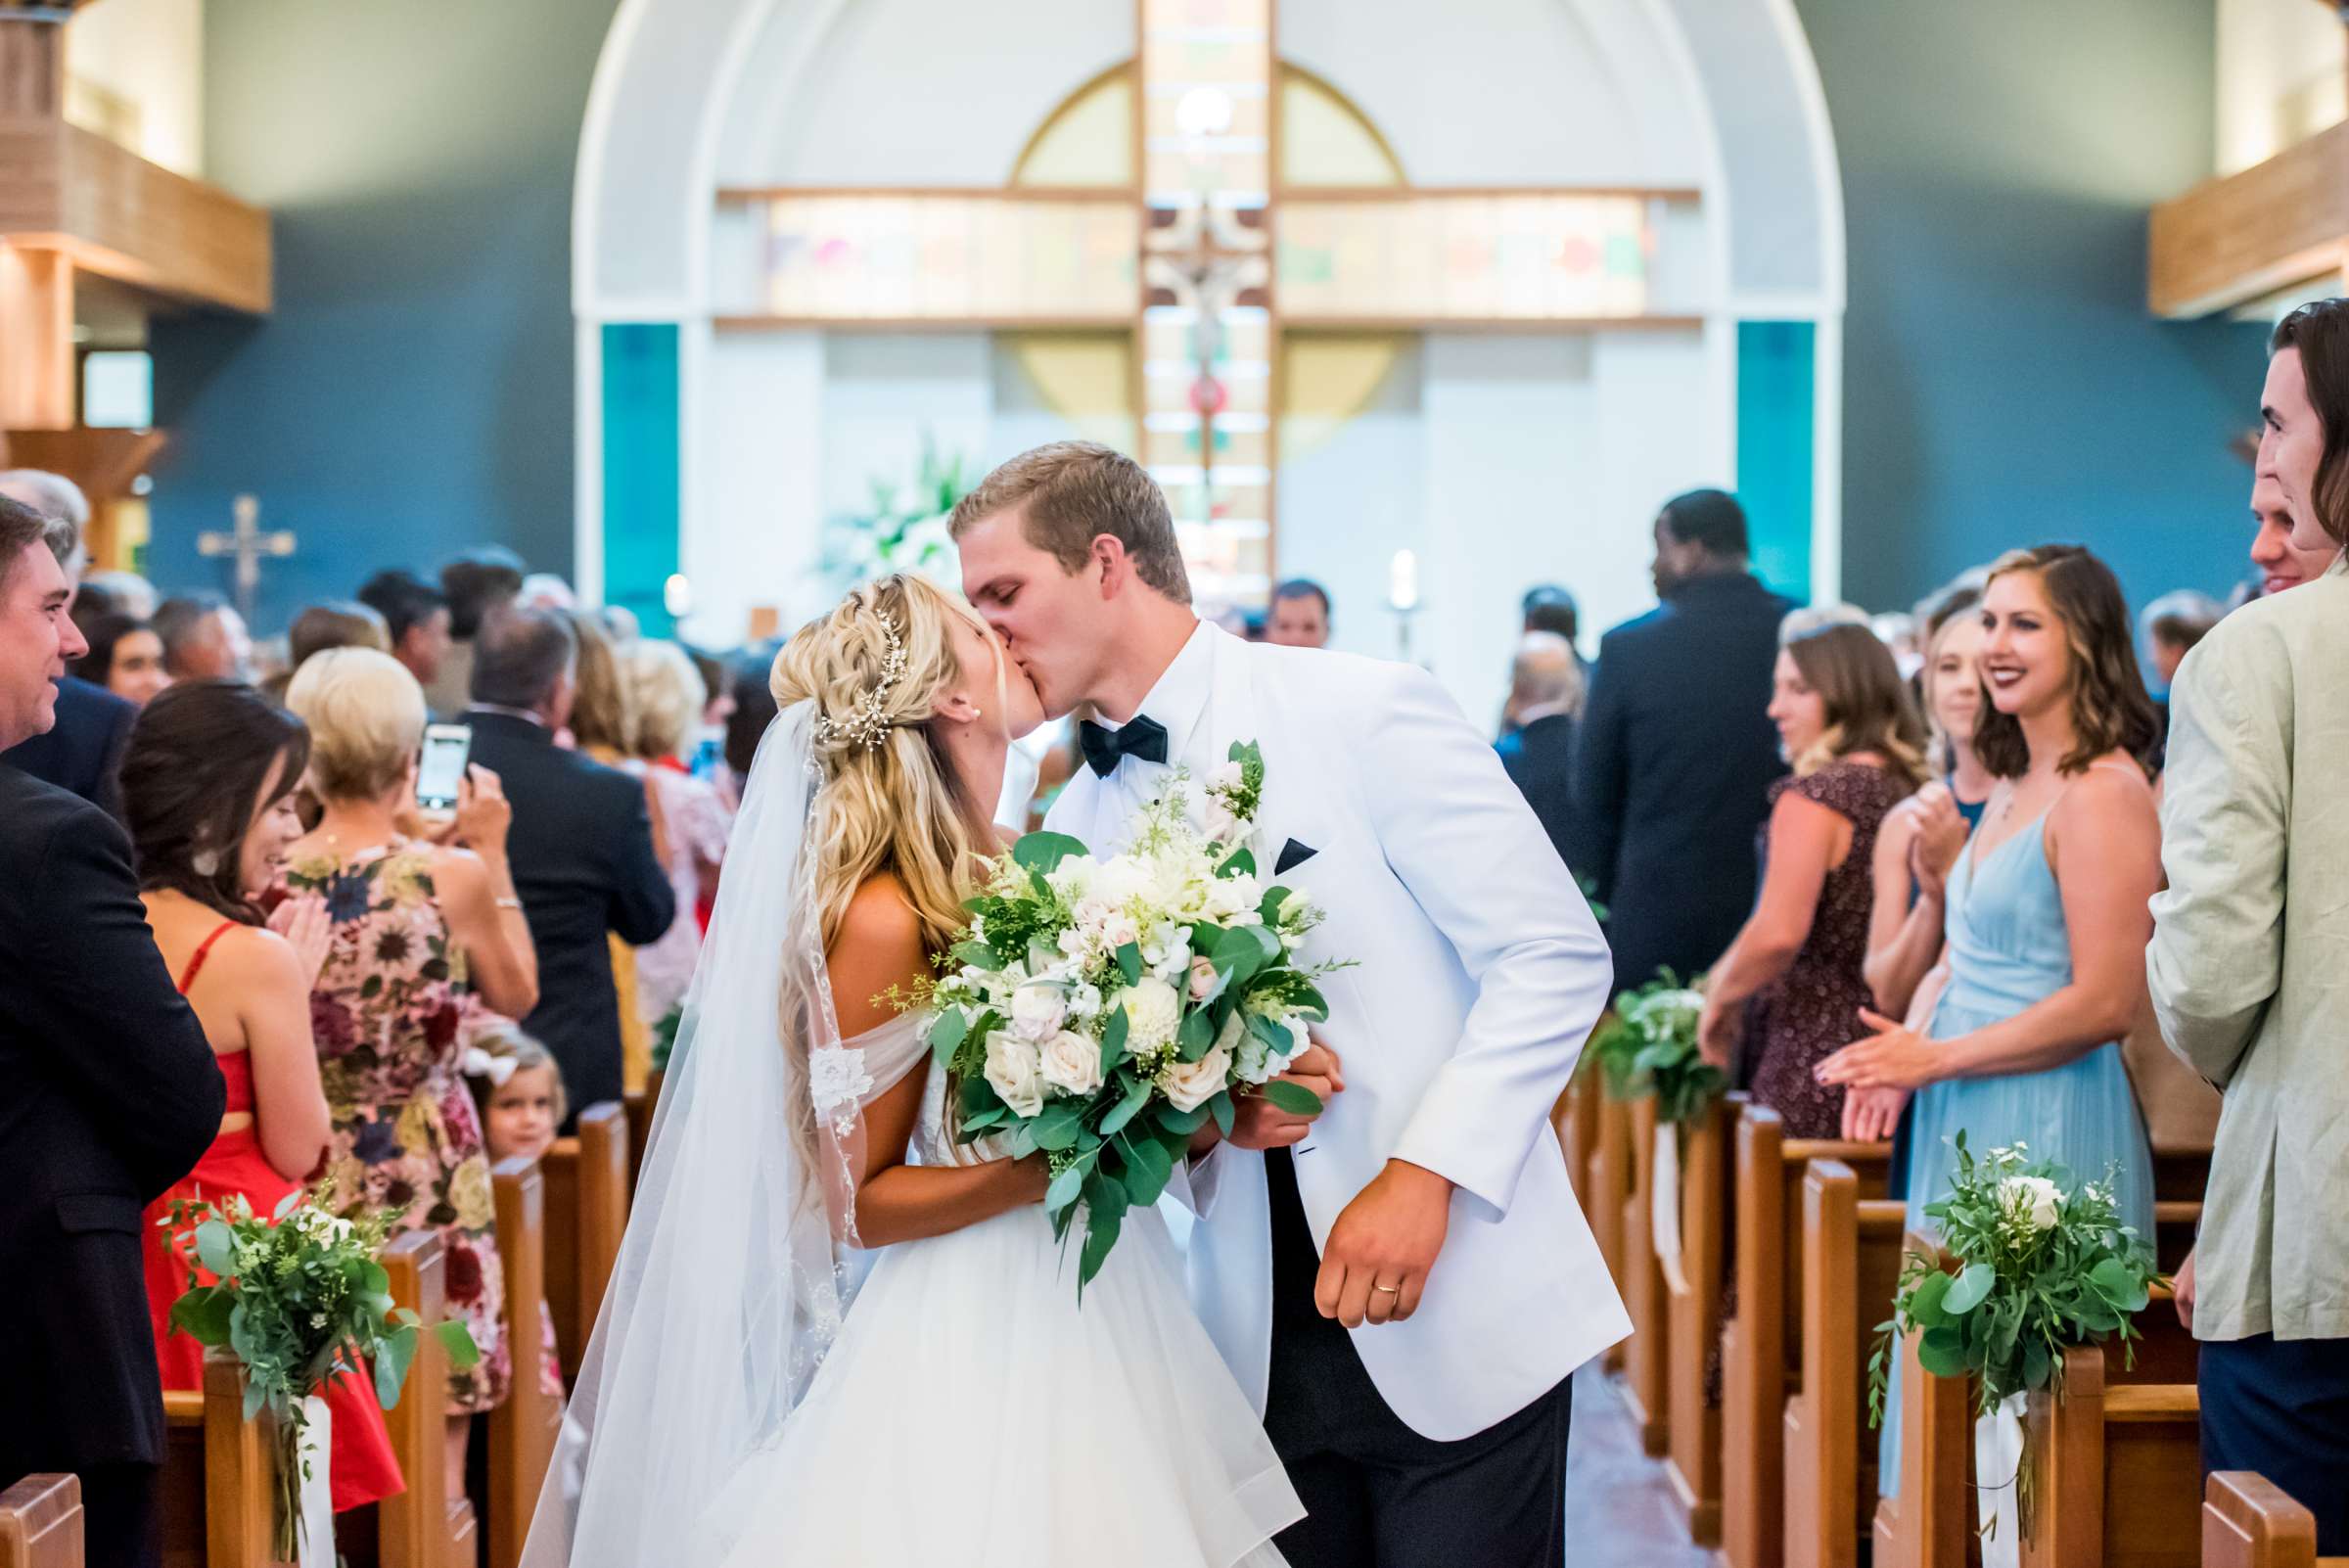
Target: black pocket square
1292	855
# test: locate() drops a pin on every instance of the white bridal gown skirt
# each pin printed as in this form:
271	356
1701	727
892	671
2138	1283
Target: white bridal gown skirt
972	1415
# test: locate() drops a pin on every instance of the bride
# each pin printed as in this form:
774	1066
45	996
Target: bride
731	1409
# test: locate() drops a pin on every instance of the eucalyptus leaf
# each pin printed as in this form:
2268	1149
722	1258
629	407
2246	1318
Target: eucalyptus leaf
1130	1104
1130	963
1970	1291
947	1034
1065	1189
1942	1351
215	1246
1113	1039
1044	851
1148	1169
1221	1108
1294	1098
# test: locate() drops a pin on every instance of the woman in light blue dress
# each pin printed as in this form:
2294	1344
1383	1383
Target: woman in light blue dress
2047	910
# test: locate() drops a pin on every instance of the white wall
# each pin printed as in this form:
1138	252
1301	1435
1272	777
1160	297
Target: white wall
2281	78
151	54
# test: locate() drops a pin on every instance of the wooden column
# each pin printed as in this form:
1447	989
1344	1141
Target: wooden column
36	323
32	63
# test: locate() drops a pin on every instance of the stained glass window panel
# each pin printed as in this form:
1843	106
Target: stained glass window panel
949	258
1434	256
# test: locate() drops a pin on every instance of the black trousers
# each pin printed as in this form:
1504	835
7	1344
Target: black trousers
1377	1495
119	1528
2282	1408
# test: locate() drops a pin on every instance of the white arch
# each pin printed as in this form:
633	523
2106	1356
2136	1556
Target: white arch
644	201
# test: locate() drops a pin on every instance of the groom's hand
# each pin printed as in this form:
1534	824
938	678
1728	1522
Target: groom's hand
1257	1124
1376	1260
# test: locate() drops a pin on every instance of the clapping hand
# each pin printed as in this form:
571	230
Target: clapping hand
1894	1057
1870	1116
1717	1029
1941	834
302	920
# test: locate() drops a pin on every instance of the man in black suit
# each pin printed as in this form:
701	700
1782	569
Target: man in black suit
1545	694
581	844
108	1094
1676	751
82	750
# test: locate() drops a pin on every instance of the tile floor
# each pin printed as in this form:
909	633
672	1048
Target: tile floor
1620	1512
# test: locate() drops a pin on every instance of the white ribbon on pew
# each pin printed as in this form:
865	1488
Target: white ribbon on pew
317	1493
1665	1224
1997	1460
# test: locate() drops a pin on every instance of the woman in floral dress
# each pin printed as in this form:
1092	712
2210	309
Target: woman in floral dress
411	921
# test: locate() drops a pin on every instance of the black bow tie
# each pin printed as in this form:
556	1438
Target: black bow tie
1105	748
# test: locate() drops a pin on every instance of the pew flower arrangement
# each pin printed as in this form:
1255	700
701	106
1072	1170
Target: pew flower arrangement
2044	1261
1103	1010
296	1295
1647	1046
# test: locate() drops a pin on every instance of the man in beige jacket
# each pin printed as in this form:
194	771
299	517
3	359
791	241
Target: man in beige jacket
2249	971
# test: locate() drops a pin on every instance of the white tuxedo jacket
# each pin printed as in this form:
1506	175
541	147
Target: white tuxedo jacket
1480	973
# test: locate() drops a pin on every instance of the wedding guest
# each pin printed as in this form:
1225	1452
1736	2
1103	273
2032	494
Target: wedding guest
1677	754
1537	749
204	639
1791	985
2046	908
2173	624
125	656
415	924
132	594
209	788
602	725
582	844
1923	832
113	1095
546	590
690	822
80	751
334	624
1300	614
1546	606
2246	957
518	1093
416	618
475	583
753	709
2282	563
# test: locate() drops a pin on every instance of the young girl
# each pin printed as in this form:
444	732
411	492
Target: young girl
519	1091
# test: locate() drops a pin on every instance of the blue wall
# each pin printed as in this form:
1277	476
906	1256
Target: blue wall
2002	382
412	393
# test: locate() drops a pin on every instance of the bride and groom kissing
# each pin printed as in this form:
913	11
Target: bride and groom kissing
1385	1298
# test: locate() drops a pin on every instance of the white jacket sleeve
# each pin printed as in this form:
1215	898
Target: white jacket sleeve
1472	853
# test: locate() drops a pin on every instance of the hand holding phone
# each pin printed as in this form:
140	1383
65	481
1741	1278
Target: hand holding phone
440	773
484	813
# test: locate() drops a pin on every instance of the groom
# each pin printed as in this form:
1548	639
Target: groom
1404	1284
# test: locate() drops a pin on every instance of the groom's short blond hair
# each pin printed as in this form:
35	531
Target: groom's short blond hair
1070	494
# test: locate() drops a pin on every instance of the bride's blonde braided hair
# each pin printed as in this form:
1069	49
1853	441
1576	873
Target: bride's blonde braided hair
875	668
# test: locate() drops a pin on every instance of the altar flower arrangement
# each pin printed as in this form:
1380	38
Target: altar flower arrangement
296	1295
1104	1010
2045	1263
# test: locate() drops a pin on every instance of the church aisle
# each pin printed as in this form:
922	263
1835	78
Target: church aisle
1619	1507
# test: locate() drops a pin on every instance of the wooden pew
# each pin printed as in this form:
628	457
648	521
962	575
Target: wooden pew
522	1430
1607	1195
423	1527
214	1496
2249	1522
2116	1470
640	1105
41	1523
2134	1410
586	1177
1692	1316
1851	1259
1643	1285
1761	1347
1576	1123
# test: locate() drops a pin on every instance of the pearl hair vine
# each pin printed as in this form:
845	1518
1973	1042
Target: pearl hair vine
868	724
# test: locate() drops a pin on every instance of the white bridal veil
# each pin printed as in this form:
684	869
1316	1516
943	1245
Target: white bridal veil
727	1291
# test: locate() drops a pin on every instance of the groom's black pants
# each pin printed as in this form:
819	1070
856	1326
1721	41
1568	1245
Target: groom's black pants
1377	1495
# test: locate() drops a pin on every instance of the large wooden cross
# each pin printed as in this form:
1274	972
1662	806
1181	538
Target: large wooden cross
246	546
1207	258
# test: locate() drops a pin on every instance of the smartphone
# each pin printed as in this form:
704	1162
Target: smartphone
447	749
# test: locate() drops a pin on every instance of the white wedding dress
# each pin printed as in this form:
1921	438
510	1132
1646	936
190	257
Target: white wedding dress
971	1412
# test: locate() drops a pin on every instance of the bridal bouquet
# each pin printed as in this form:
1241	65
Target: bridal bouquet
1102	1011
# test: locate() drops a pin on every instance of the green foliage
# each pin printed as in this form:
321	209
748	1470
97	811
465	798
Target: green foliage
2044	1264
665	1037
904	527
1647	1046
296	1297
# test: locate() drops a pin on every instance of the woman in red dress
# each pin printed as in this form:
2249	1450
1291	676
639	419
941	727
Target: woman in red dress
207	785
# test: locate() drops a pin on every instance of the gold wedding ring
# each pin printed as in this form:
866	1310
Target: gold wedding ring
1390	1290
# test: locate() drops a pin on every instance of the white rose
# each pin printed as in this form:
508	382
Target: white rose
1233	897
1015	1071
1191	1084
1072	1063
1153	1012
1119	930
2030	1198
1202	978
1037	1011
